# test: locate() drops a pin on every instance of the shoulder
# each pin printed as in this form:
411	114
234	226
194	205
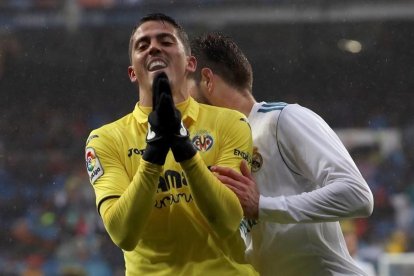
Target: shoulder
266	112
304	115
276	112
281	114
266	107
110	131
274	107
224	120
298	120
220	112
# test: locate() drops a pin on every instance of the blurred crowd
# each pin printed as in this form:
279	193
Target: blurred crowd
98	4
49	224
58	4
107	4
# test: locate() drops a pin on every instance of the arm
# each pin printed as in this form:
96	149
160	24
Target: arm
126	216
124	205
311	149
218	203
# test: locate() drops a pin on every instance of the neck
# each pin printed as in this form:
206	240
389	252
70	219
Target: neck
240	101
247	103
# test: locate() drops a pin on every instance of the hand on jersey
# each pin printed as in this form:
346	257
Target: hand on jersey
243	185
165	128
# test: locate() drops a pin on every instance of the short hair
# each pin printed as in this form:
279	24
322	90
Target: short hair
182	35
222	55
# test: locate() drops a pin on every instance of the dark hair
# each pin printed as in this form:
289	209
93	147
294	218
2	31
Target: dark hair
182	35
222	55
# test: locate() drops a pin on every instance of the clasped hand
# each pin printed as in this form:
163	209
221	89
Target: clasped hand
165	127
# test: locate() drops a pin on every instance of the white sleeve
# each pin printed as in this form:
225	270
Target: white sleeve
311	149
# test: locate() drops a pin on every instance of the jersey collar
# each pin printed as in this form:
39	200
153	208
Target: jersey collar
189	110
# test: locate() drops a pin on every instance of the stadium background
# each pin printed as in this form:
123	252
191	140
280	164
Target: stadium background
63	72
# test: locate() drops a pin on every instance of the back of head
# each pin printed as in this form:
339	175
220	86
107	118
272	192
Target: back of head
222	55
182	35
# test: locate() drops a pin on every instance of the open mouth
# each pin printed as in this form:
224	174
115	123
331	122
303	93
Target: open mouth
156	65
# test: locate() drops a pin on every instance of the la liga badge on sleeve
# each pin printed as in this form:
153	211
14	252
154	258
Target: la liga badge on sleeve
93	166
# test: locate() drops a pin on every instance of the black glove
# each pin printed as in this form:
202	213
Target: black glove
165	126
181	145
160	123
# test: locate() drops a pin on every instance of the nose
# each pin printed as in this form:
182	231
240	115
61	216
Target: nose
154	48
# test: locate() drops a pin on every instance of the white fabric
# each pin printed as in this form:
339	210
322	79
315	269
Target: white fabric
307	182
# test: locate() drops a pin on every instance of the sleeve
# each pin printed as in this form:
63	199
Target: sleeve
219	205
124	205
236	142
311	149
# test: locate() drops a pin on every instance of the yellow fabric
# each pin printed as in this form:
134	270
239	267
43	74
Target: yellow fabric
176	219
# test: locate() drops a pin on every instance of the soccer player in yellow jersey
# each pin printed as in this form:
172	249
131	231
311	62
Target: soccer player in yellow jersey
157	198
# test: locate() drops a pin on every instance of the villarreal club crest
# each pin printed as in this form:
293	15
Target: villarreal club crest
203	141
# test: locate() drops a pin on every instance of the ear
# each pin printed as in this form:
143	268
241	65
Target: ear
131	74
207	78
191	64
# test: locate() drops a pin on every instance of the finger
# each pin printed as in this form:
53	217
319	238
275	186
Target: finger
228	172
160	86
163	84
166	107
231	182
235	191
245	170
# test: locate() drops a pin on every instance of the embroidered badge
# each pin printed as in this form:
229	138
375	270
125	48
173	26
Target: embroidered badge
203	141
93	166
257	160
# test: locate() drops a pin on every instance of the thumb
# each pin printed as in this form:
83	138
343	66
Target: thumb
245	170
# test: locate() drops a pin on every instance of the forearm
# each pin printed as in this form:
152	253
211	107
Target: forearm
218	204
333	202
125	217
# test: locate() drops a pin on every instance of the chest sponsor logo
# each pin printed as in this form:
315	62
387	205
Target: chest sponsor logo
257	160
171	199
93	166
136	151
203	141
245	155
173	186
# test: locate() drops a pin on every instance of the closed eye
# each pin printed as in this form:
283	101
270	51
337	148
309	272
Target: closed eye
163	39
167	43
142	45
166	39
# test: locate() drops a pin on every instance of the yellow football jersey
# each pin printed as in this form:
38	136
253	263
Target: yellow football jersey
180	209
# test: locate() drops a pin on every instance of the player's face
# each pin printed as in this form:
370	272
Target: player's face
155	48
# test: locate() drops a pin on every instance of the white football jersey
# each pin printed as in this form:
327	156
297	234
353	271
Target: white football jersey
307	181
